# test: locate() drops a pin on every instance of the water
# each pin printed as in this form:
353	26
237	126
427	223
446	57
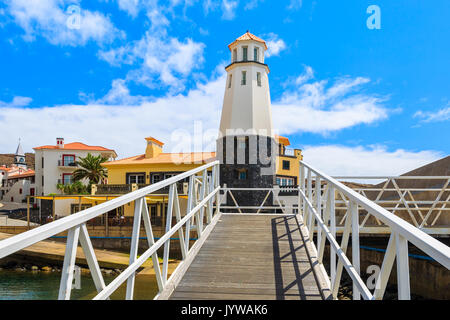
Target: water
28	285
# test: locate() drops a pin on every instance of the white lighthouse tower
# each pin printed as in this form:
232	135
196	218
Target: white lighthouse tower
246	145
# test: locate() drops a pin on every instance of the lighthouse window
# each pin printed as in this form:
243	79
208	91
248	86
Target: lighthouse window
244	53
229	81
244	78
255	54
258	78
242	174
234	55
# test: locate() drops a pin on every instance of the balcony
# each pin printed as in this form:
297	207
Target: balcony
104	189
67	163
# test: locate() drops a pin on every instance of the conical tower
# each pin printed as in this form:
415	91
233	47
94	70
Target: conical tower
246	145
19	157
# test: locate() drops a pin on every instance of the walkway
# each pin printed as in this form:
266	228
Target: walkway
254	257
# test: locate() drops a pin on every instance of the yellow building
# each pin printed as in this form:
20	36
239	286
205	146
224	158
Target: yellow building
154	165
288	167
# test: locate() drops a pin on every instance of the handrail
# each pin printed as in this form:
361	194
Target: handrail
202	192
402	232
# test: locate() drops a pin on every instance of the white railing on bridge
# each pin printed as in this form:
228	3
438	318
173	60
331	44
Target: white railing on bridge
318	208
203	191
420	200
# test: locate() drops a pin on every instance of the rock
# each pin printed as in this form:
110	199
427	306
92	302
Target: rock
19	269
47	269
34	268
118	271
109	271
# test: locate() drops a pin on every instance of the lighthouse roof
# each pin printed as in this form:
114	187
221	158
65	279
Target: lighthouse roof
248	36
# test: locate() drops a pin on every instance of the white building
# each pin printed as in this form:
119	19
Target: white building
17	181
55	164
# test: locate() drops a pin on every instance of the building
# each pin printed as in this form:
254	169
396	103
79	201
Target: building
17	181
246	145
55	164
154	165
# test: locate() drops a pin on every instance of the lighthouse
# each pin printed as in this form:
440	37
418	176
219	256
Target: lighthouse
246	146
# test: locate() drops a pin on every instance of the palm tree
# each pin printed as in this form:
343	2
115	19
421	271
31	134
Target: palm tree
91	168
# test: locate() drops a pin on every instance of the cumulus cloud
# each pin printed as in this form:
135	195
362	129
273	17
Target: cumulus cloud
163	59
274	44
50	20
322	108
366	161
122	127
440	115
295	4
17	101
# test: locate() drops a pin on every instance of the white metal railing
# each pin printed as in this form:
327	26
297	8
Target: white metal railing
277	205
318	208
203	191
420	200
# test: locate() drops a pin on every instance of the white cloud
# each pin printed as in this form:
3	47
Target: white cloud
337	160
17	101
274	44
295	5
121	127
130	6
314	107
307	75
50	20
168	61
228	9
437	116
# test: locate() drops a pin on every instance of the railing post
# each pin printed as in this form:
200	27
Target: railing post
309	195
216	184
134	244
188	210
333	231
70	256
355	245
318	210
168	227
402	268
301	203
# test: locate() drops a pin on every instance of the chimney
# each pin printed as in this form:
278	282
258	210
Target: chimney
154	147
60	143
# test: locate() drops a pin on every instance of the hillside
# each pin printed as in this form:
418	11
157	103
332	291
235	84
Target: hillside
8	159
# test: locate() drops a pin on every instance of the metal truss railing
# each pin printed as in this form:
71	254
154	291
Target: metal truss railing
279	206
202	192
420	200
318	211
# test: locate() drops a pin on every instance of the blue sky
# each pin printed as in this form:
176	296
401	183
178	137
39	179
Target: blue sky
356	100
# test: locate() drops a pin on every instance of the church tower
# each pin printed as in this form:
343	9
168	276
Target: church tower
19	157
246	147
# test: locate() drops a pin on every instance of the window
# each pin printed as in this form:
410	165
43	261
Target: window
285	181
67	178
244	78
138	178
229	80
286	165
20	191
68	160
242	174
234	55
258	78
156	178
255	54
42	162
244	53
42	180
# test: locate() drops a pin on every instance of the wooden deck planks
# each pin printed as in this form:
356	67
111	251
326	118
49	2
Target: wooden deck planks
252	257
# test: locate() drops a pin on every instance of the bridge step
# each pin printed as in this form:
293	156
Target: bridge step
251	257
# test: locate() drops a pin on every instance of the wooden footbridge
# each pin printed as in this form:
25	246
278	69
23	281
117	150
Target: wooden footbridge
239	255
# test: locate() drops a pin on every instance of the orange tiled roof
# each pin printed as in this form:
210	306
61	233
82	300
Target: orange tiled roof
185	158
282	140
25	174
248	36
5	169
76	146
